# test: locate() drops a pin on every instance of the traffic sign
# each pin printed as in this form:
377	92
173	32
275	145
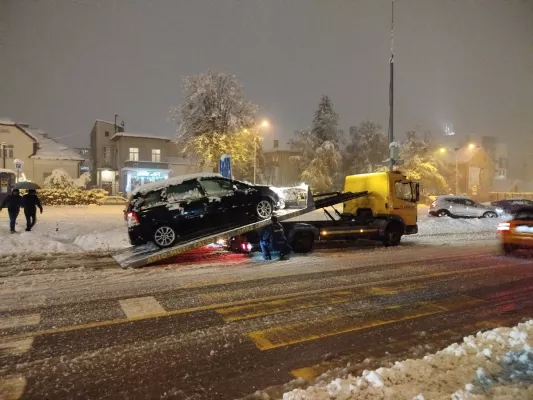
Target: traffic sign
17	165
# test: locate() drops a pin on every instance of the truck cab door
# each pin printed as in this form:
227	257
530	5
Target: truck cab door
403	201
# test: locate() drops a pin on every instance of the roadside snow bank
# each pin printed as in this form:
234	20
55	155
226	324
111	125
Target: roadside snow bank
439	226
496	364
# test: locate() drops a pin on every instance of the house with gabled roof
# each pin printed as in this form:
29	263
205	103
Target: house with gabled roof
39	152
475	169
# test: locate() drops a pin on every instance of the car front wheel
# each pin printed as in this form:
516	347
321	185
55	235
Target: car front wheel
264	209
443	213
165	236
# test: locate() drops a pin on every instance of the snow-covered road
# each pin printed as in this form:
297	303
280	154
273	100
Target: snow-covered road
91	228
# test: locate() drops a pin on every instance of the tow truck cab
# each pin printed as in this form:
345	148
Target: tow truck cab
391	196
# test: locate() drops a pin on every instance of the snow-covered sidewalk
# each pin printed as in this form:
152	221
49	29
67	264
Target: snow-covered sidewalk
72	229
496	364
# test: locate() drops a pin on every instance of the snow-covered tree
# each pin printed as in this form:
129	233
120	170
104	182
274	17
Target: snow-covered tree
326	122
367	149
214	117
319	160
322	172
58	179
421	163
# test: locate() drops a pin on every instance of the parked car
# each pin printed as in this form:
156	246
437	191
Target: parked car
112	201
510	206
462	206
166	211
518	232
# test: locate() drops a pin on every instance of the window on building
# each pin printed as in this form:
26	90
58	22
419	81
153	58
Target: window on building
107	155
134	154
156	155
8	151
106	133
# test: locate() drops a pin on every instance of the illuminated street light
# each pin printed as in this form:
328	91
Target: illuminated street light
471	146
265	124
442	150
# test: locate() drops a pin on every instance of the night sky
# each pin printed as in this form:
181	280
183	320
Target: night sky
65	63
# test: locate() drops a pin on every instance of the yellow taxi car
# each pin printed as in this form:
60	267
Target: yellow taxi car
517	233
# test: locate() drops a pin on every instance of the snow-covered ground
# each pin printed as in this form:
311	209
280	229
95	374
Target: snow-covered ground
72	229
496	364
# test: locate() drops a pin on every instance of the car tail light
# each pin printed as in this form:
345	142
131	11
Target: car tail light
131	219
504	227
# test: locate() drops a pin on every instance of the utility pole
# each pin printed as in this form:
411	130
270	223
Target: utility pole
393	149
116	115
3	145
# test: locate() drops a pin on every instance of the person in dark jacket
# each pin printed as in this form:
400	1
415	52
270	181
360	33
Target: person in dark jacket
13	202
31	202
273	237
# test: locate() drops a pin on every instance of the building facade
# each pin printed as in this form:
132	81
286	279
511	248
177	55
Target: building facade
475	170
122	161
280	170
39	153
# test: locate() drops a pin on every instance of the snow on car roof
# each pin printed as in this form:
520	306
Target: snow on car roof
164	183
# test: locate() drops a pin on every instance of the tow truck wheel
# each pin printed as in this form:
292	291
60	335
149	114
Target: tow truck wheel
303	243
264	209
393	235
164	236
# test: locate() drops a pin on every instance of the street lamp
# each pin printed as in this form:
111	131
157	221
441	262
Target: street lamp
265	125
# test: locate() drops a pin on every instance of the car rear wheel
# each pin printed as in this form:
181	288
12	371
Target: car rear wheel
165	236
443	213
264	209
490	214
303	242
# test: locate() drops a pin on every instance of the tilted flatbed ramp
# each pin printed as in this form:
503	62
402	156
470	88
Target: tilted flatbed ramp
139	256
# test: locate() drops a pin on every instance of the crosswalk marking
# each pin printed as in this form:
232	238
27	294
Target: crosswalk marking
12	388
16	321
16	347
141	306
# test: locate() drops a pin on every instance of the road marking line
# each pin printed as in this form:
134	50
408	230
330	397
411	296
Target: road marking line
16	347
119	321
272	338
16	321
12	388
141	307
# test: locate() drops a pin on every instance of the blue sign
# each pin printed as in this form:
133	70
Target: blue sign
224	166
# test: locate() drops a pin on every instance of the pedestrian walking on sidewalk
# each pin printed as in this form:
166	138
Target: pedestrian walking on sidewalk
31	202
13	202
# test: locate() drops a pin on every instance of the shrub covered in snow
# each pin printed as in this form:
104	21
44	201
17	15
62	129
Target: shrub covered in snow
59	179
70	196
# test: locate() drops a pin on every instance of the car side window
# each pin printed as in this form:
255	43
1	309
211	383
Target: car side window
217	187
469	203
457	201
150	199
184	191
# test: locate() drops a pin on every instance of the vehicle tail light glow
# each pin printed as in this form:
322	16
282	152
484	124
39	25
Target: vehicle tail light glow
246	247
504	227
132	219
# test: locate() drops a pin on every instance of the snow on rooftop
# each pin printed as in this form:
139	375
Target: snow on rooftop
9	171
163	183
6	121
49	149
140	135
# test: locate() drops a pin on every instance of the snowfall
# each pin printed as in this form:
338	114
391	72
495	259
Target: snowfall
76	229
496	364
